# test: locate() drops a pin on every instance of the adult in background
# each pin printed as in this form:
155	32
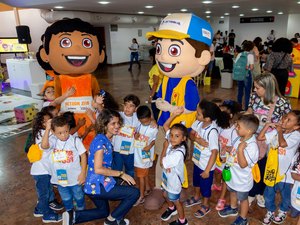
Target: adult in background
280	61
271	36
134	55
231	37
256	50
266	97
100	183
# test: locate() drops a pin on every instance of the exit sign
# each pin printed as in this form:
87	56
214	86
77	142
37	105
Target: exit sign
262	19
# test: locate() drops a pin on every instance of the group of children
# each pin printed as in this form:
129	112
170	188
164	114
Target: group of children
223	142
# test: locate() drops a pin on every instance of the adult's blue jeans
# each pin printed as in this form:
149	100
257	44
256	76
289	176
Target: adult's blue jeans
245	87
69	193
134	56
44	192
127	195
121	160
285	192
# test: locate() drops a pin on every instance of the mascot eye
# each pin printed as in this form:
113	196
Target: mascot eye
174	50
65	43
87	43
158	49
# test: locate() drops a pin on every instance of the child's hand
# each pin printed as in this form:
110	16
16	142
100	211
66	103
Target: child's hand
204	174
136	136
227	149
201	141
147	148
48	124
242	145
71	91
89	112
94	104
81	178
81	122
153	124
168	170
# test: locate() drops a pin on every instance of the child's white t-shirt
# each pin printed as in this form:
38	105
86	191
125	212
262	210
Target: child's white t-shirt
202	154
46	103
65	160
173	169
41	167
123	141
295	194
285	155
143	159
226	138
241	178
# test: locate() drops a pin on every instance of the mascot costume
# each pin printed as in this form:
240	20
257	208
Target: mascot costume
72	49
182	52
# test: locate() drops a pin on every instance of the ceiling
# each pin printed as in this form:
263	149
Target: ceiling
163	7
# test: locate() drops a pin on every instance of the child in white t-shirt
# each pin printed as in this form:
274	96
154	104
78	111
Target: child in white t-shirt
49	96
144	140
295	195
68	162
173	172
123	155
238	170
286	138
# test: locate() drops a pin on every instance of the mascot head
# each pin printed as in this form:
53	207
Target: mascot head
183	45
71	46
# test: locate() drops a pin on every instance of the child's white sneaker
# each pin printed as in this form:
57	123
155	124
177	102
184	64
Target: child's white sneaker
250	200
260	201
269	217
280	217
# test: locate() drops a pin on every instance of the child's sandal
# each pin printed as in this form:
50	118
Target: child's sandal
202	211
192	201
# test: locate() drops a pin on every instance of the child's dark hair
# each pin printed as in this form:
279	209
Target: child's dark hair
108	101
183	129
37	124
104	118
297	114
217	101
232	109
250	121
70	119
297	161
132	98
212	111
48	109
58	121
143	112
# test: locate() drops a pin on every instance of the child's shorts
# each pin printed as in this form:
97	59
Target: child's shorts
172	197
141	172
204	184
294	212
241	196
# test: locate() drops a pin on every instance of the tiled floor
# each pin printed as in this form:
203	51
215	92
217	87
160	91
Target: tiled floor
17	193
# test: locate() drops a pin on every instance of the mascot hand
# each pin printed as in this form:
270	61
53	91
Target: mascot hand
164	105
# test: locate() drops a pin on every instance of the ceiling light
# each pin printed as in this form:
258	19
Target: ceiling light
149	6
58	7
226	14
206	2
235	6
242	15
183	10
269	11
207	12
103	2
298	2
280	13
141	12
169	14
254	9
222	17
207	16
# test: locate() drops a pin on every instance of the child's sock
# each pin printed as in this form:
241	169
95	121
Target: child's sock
110	218
182	220
172	208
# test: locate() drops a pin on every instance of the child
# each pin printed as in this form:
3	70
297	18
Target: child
143	150
123	150
241	159
49	96
173	173
286	138
68	162
227	133
204	134
295	195
52	110
40	173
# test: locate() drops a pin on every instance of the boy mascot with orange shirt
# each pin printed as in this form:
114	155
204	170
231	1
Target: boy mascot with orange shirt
182	52
73	49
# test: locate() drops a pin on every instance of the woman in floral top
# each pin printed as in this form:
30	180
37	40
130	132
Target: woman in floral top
261	101
100	181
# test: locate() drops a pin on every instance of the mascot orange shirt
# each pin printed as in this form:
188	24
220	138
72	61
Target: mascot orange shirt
73	49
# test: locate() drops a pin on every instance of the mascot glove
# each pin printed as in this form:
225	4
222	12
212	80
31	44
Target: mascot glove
164	105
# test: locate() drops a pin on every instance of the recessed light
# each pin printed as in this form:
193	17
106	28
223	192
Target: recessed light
141	12
269	11
206	2
280	13
183	10
207	16
222	17
207	12
149	6
254	9
103	2
235	6
226	14
298	2
58	7
242	15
